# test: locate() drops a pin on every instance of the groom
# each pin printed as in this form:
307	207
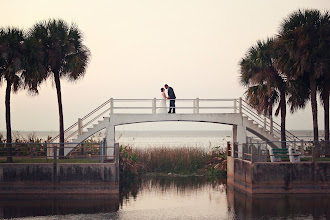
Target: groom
171	96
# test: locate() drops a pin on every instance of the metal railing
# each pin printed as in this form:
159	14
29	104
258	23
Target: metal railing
259	151
85	152
148	106
264	122
183	106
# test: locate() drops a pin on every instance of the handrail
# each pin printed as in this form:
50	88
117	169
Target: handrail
243	107
276	126
83	118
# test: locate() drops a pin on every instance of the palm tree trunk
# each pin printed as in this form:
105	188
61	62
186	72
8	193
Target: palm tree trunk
314	112
8	123
283	116
326	121
60	112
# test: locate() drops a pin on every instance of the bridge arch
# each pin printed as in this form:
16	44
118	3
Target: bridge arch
239	132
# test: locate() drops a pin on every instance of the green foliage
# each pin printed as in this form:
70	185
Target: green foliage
128	163
217	166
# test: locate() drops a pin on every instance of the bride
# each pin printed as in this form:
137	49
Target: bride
162	105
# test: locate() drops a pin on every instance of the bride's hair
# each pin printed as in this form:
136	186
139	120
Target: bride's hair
162	89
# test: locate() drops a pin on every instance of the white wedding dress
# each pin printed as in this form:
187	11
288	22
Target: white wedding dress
162	105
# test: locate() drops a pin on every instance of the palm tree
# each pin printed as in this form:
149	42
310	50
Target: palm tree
64	56
323	69
302	51
11	56
258	69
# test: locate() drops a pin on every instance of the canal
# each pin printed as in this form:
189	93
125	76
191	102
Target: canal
169	197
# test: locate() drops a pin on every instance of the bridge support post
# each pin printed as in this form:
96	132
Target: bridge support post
240	105
239	136
111	105
80	130
197	106
235	106
271	125
154	106
110	141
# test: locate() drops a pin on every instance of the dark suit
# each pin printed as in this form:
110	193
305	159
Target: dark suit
172	96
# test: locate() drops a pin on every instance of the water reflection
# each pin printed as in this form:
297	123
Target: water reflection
182	185
171	198
277	206
22	206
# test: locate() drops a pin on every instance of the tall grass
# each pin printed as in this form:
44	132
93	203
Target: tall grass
182	160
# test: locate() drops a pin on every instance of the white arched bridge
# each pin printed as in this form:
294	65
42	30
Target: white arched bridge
234	112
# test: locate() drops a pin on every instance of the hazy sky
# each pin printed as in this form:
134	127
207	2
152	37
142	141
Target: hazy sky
139	45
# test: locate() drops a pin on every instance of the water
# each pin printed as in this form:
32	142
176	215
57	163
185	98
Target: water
171	198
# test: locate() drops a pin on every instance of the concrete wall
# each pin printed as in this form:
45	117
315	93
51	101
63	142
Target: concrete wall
279	177
64	178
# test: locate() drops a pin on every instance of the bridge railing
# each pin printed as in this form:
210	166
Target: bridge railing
86	152
183	106
148	106
260	151
264	122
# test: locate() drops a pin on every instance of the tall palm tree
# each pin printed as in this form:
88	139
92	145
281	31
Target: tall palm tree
11	56
65	56
258	68
302	51
323	69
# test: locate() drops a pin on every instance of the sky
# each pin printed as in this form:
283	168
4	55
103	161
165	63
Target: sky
139	45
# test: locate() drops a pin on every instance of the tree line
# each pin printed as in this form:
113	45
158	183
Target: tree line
50	49
291	69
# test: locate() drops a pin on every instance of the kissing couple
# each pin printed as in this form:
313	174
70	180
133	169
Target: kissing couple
171	96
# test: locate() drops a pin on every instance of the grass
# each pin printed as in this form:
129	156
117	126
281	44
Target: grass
183	160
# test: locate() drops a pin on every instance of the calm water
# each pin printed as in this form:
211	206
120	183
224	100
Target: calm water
171	198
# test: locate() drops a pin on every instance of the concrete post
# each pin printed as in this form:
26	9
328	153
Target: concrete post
111	106
110	141
117	162
240	105
197	106
154	106
194	106
80	129
239	136
235	106
302	148
271	125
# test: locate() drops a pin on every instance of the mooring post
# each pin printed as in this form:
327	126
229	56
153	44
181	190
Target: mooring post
154	106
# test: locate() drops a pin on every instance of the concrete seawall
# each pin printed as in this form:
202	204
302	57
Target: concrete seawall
87	178
283	177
